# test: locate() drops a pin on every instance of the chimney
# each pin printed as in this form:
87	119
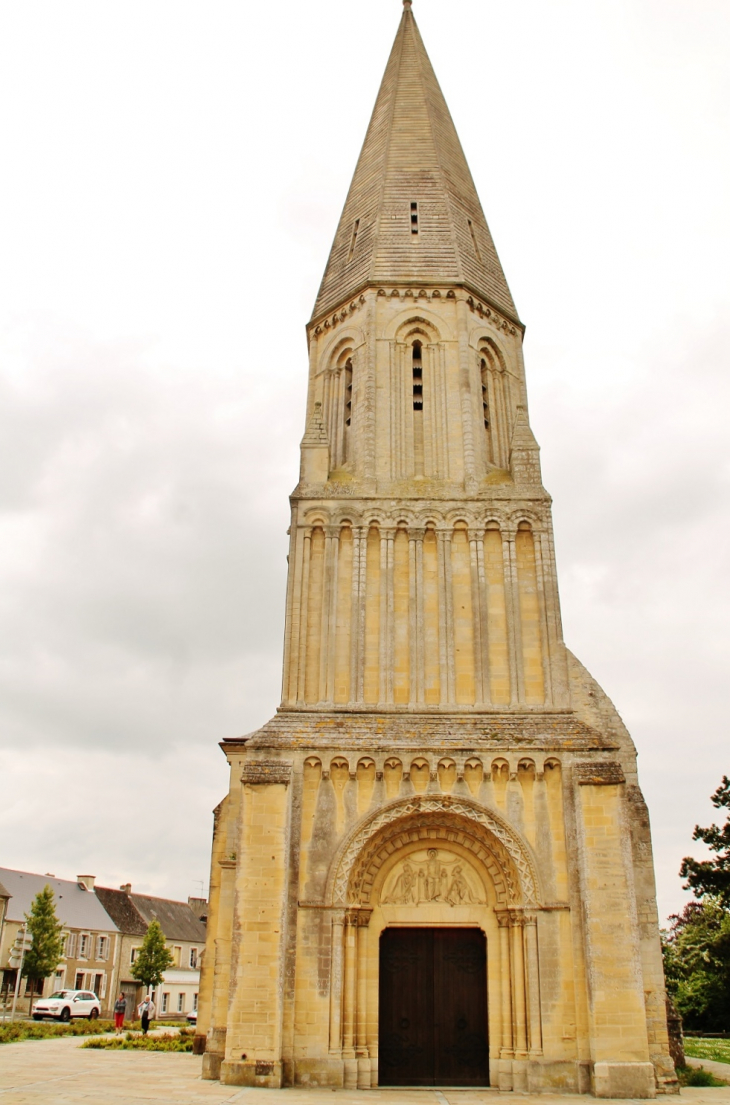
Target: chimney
86	882
199	907
126	887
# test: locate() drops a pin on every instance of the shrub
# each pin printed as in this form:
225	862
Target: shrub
129	1042
15	1031
689	1076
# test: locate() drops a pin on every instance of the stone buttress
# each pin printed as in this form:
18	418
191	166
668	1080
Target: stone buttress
439	757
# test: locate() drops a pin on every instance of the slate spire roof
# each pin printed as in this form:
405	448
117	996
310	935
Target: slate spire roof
412	155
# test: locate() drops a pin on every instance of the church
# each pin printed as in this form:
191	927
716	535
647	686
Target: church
433	866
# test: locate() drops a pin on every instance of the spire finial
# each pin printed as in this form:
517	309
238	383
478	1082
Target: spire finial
408	4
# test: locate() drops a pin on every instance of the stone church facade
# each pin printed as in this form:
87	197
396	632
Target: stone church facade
433	866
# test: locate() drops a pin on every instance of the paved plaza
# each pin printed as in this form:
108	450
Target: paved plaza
62	1073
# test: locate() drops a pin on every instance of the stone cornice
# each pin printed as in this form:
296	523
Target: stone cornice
358	729
499	319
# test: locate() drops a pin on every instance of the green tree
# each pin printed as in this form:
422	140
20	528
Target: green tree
153	958
697	963
712	876
44	926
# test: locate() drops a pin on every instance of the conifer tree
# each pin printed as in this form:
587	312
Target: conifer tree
153	957
43	925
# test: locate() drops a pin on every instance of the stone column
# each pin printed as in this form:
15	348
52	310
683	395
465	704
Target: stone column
533	986
446	618
387	641
506	1050
514	636
348	1035
518	982
479	614
416	615
329	614
362	1052
545	642
336	979
304	610
357	633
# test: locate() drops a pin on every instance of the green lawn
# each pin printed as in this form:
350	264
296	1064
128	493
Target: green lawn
699	1047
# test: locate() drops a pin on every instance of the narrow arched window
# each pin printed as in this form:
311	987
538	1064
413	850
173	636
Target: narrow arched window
417	369
485	394
347	409
417	377
484	366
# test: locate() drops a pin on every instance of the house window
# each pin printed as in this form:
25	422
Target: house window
181	1003
193	958
414	218
99	987
58	980
195	1001
102	947
177	955
165	1004
79	983
133	955
69	949
84	945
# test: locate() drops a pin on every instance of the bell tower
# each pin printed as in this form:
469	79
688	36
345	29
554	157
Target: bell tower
440	764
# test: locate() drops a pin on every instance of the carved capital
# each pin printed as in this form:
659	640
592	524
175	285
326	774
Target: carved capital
363	918
502	918
266	773
416	534
605	774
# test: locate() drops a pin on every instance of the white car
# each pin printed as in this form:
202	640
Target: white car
65	1004
193	1016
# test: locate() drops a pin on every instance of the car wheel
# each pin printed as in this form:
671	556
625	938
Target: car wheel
93	1014
66	1015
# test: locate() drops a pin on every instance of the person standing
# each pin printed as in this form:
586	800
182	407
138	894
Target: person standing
146	1013
120	1008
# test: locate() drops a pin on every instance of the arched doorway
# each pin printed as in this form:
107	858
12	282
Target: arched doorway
427	865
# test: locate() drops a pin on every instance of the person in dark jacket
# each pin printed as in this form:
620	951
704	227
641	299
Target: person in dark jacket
120	1008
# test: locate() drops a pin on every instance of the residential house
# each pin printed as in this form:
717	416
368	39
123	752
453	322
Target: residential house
91	938
183	925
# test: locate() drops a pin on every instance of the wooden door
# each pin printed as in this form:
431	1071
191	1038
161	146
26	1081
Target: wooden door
433	1007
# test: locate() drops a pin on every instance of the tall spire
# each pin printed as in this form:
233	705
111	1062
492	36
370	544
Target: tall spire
412	213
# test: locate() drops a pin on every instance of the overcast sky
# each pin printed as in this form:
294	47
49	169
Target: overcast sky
172	178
